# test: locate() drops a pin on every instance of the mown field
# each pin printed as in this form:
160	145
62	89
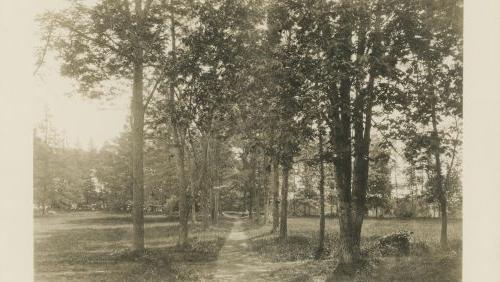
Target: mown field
426	262
94	246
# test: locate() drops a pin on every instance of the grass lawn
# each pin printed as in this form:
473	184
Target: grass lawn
426	261
93	246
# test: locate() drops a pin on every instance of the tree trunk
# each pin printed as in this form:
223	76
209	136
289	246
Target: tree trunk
205	203
440	189
192	184
341	139
284	204
183	202
257	205
244	200
257	189
250	200
137	153
321	196
276	200
217	208
266	182
362	140
213	181
179	150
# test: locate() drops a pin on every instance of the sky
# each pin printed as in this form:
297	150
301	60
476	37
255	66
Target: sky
81	120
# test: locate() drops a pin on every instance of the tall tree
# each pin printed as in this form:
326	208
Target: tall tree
321	187
109	41
286	88
432	101
350	53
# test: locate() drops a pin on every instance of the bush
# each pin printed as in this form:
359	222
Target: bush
394	244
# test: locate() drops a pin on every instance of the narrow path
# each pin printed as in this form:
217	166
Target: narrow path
237	263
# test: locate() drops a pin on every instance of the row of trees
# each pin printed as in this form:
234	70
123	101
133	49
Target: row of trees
277	77
75	178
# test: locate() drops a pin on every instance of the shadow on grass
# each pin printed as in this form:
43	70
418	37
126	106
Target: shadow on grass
103	254
121	219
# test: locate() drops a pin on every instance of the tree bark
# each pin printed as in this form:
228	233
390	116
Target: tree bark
205	185
193	192
284	204
257	205
276	200
251	186
256	188
213	164
439	174
321	196
179	148
137	153
192	183
348	251
265	186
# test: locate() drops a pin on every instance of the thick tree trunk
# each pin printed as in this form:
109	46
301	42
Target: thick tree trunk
341	141
284	204
137	153
348	252
362	116
179	150
321	196
276	200
137	109
360	184
183	202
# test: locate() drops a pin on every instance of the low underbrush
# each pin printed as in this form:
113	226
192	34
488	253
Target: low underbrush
381	260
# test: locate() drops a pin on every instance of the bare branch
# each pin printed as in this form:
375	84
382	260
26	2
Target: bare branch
150	95
44	51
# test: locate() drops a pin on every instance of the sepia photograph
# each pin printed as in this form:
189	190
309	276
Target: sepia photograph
247	140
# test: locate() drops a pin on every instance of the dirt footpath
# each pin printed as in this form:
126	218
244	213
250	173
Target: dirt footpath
237	263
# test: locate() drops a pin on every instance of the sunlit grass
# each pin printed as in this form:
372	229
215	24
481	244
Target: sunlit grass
95	247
